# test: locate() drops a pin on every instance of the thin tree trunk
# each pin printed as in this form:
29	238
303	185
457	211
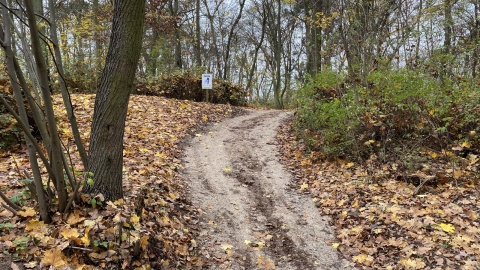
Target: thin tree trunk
198	56
116	83
214	39
475	40
255	56
37	178
226	65
98	43
278	59
56	161
173	6
63	86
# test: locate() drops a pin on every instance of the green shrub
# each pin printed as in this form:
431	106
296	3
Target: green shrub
326	118
397	110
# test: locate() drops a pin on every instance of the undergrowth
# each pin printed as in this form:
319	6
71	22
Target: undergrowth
402	115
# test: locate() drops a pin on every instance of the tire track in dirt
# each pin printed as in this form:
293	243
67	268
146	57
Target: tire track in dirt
252	217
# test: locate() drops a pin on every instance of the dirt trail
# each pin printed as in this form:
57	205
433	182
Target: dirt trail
252	217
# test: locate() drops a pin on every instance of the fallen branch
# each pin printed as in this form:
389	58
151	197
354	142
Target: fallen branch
11	205
424	180
9	209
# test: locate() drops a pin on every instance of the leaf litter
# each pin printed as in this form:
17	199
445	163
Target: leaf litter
151	228
380	224
383	223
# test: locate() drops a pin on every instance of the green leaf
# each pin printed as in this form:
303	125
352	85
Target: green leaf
90	181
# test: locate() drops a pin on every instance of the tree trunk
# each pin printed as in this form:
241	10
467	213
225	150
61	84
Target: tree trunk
173	6
37	177
255	55
56	149
198	56
63	85
116	83
226	65
98	43
475	39
278	58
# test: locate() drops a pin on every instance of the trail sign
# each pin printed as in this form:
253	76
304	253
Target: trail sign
207	81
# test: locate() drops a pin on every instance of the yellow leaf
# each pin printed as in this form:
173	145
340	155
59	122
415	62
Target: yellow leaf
355	204
260	244
173	196
457	174
75	218
335	245
28	212
303	186
198	135
466	144
363	259
158	154
412	263
34	224
54	257
227	169
205	118
118	202
135	219
89	223
226	246
85	240
247	242
265	262
144	241
449	228
68	233
124	237
350	164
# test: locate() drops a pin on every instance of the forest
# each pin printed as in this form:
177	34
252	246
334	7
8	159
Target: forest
97	97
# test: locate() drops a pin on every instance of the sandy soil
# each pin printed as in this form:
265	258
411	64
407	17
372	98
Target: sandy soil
252	216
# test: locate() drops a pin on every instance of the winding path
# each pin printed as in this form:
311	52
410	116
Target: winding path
252	217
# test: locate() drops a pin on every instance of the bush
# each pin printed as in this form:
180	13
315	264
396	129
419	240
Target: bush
188	86
395	112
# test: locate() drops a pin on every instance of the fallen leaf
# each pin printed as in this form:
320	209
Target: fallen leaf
226	246
449	228
28	212
68	233
363	259
54	257
303	186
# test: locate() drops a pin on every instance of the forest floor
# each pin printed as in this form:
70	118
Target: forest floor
215	187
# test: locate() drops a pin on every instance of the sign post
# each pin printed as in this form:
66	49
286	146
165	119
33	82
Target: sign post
207	84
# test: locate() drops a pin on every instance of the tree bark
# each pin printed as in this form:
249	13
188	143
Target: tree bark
116	83
63	85
278	58
56	149
37	177
198	55
226	65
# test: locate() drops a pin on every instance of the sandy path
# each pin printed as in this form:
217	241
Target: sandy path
252	216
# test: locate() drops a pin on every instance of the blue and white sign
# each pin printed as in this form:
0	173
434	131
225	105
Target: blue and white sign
207	81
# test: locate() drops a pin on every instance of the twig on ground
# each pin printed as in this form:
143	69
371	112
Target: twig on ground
9	203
